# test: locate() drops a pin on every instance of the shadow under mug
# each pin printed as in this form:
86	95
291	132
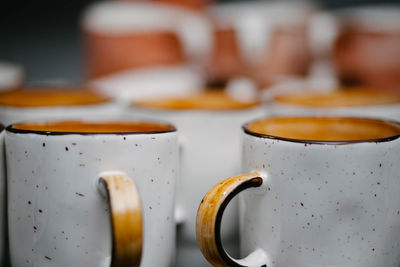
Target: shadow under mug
71	183
320	191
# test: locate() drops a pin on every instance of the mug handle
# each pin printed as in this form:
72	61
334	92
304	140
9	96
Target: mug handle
208	222
126	218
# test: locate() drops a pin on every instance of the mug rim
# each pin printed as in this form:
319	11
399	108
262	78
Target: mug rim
10	128
246	130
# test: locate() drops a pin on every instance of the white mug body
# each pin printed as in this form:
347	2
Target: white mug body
322	204
57	216
210	148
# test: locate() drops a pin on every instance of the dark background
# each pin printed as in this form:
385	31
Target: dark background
44	36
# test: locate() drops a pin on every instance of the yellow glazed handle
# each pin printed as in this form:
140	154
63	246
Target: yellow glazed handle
126	219
209	216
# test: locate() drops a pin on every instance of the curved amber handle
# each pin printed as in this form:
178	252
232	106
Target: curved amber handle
126	219
209	216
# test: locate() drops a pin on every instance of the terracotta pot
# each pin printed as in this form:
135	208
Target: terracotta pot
288	54
107	54
226	61
191	4
364	56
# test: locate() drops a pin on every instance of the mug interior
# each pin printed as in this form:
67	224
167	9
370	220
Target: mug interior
51	97
324	129
216	100
86	127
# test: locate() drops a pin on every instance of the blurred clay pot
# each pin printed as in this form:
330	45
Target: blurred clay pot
367	57
107	54
226	61
288	54
367	48
191	4
121	36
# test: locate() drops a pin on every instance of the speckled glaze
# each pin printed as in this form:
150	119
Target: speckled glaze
210	150
2	196
315	203
10	115
57	214
324	204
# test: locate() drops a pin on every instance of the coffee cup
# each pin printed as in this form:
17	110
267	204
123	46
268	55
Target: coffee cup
54	103
353	101
209	138
319	191
84	193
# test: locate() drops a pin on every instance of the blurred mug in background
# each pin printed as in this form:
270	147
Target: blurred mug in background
343	101
54	103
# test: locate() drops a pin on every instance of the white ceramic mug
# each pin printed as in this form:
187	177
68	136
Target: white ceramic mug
209	134
65	180
326	193
54	103
302	101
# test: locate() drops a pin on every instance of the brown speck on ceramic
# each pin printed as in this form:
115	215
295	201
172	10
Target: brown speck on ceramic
153	138
302	204
47	258
150	207
124	138
82	165
74	144
41	211
380	165
44	144
34	227
80	153
29	202
79	194
66	148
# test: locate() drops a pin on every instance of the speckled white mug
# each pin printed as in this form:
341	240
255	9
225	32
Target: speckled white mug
64	183
331	200
209	140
